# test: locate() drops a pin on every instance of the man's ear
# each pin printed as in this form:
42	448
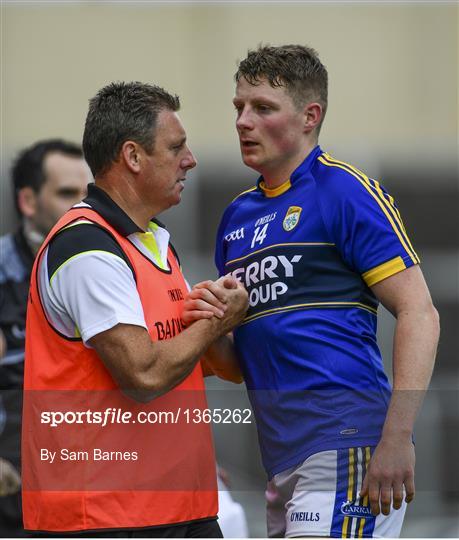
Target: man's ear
131	155
27	201
313	113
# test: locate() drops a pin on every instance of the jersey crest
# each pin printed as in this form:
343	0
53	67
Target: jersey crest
292	218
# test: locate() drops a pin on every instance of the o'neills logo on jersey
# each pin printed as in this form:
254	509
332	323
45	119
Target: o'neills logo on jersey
292	217
351	509
265	219
238	234
272	268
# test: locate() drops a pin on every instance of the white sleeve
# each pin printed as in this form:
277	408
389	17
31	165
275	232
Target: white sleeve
91	292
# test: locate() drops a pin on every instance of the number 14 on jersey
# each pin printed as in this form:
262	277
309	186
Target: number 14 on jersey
259	234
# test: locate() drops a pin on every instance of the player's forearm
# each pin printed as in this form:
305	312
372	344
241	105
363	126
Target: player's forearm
145	369
415	343
173	360
221	360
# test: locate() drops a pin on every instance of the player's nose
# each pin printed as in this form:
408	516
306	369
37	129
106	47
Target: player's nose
244	120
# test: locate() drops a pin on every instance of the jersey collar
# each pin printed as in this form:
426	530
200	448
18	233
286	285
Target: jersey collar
297	174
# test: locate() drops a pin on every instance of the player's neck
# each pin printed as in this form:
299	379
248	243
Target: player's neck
125	196
278	174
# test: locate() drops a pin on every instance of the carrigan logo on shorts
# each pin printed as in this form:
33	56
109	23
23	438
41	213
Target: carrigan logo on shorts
352	509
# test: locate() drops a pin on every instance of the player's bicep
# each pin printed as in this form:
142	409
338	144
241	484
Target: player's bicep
406	290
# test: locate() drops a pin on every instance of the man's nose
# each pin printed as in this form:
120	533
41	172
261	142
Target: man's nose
244	120
189	162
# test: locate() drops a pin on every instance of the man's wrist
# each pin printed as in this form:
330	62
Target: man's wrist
211	327
397	434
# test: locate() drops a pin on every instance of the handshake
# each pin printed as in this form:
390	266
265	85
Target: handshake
225	301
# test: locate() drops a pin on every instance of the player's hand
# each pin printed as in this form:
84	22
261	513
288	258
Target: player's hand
237	305
207	299
389	474
10	481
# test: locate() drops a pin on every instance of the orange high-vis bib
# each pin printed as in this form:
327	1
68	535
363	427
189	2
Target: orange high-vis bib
116	475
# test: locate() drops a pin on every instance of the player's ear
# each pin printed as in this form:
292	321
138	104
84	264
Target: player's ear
130	153
312	116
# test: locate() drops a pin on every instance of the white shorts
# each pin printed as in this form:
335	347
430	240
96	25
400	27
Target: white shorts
320	497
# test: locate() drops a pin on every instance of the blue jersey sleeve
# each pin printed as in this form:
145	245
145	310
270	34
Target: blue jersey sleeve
220	255
219	259
363	221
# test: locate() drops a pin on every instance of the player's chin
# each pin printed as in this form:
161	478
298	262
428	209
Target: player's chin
249	159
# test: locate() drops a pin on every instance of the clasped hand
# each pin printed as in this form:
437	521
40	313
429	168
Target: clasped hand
226	299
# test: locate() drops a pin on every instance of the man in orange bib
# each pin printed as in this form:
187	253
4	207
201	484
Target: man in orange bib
104	326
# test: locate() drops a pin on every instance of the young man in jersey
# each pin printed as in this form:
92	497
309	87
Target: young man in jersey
103	316
319	245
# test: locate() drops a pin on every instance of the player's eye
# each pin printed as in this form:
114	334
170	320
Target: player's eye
263	108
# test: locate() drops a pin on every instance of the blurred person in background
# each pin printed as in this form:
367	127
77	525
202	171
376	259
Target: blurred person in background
319	245
10	482
48	178
231	515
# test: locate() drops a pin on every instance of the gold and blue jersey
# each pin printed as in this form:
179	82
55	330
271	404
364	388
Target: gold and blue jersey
308	253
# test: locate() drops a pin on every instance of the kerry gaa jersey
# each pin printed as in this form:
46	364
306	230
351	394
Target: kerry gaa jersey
308	253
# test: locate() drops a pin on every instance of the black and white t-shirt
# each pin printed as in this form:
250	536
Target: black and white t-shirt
86	282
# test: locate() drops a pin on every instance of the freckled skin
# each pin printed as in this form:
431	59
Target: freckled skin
268	117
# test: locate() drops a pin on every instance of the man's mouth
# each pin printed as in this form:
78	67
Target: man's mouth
247	143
